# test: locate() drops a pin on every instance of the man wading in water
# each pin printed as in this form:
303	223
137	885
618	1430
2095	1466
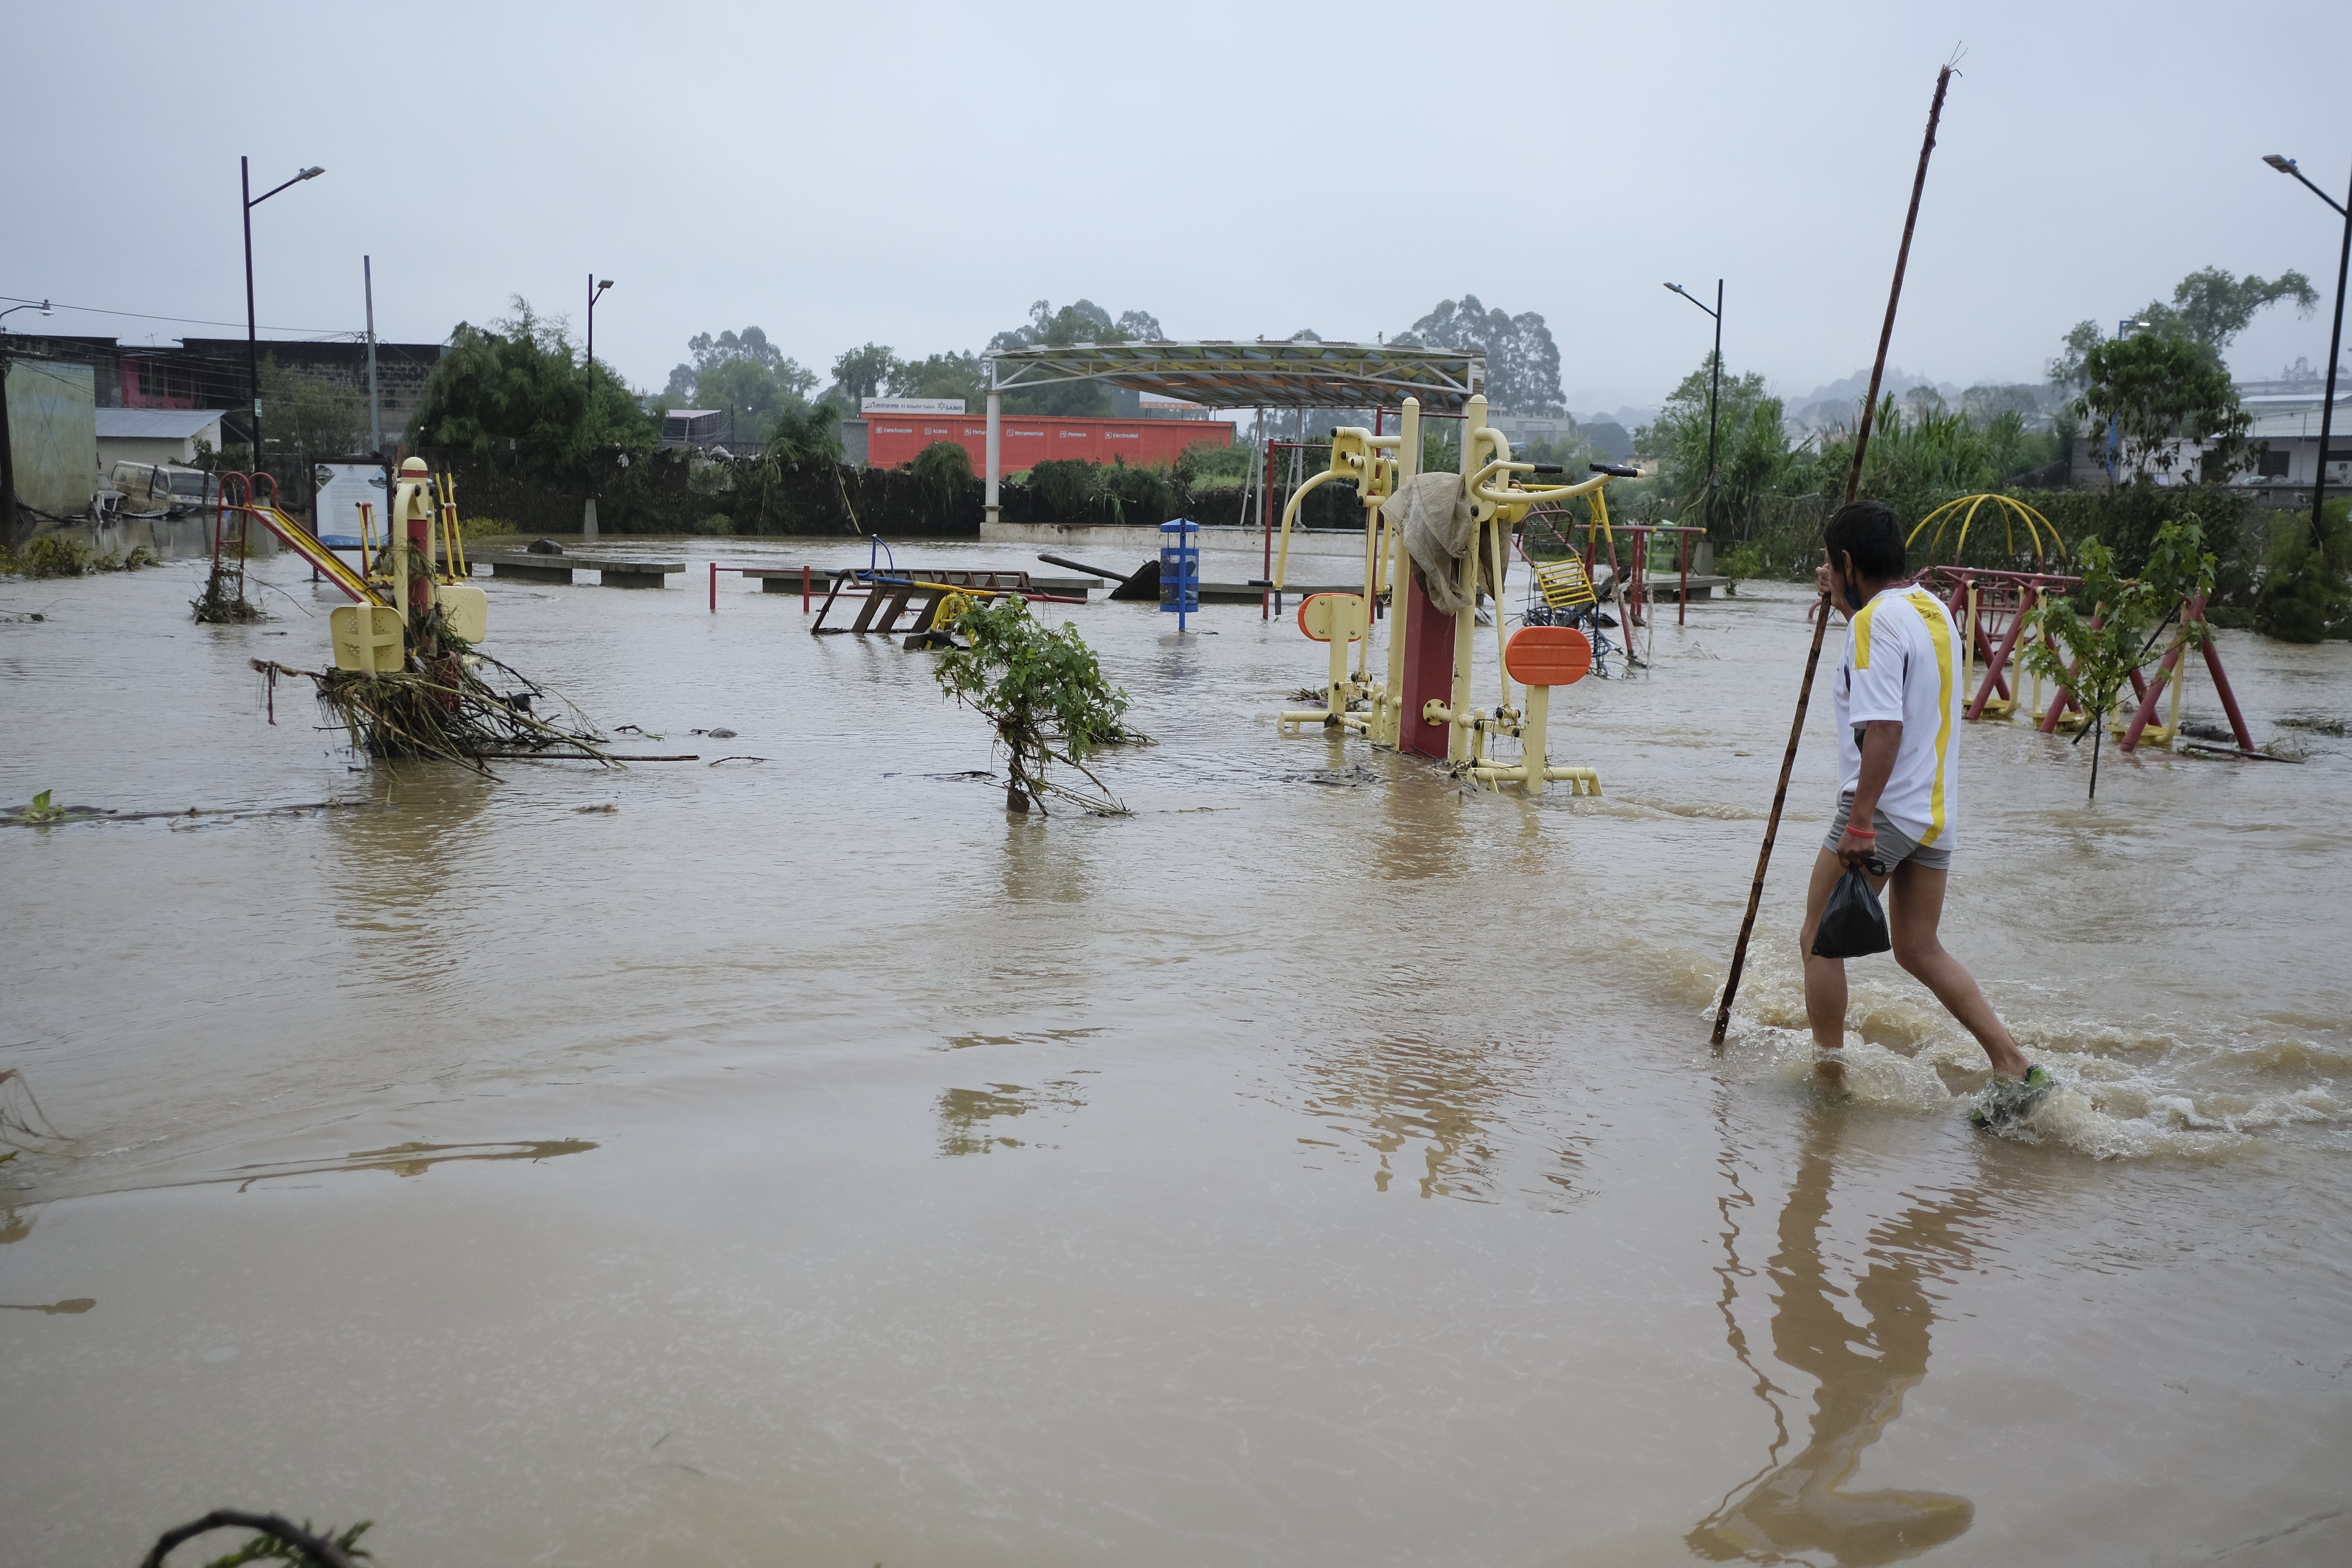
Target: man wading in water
1899	721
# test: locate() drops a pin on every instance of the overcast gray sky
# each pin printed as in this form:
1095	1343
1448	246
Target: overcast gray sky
916	174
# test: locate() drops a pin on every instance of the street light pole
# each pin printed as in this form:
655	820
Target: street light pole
595	292
2335	347
1715	373
252	347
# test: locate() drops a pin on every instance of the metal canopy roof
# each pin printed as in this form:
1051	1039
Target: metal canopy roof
1290	374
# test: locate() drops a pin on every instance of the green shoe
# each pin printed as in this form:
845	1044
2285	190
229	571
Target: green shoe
2011	1099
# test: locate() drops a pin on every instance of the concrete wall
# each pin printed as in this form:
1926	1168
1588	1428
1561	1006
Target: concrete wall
53	434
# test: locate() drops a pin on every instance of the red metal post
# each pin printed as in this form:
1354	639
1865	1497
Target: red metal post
1681	611
714	587
1266	521
2228	698
805	587
1999	661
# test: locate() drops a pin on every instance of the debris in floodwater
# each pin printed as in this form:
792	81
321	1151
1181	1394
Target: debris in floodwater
1355	775
2317	726
439	711
75	1306
588	810
40	810
223	602
22	1123
736	760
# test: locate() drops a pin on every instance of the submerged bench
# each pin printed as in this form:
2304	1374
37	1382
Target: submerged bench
523	566
787	579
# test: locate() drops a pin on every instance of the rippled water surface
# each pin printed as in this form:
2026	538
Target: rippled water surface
803	1161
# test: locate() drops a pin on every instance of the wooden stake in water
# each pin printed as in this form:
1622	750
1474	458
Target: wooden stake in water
1822	610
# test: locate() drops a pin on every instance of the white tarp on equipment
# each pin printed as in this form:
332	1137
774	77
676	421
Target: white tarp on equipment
1435	517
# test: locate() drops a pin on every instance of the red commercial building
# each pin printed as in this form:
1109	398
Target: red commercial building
895	438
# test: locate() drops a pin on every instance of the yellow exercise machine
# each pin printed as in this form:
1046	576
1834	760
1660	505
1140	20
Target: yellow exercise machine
1426	692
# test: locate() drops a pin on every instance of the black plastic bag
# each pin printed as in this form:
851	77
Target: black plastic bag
1852	925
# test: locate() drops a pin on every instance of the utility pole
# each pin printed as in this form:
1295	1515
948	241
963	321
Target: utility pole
375	409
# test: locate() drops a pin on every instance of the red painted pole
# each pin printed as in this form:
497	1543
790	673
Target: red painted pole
714	587
1681	611
1266	521
805	587
2228	698
1999	660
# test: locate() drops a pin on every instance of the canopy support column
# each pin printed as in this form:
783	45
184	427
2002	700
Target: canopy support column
995	449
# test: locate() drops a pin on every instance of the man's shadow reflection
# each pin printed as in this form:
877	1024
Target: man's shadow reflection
1798	1505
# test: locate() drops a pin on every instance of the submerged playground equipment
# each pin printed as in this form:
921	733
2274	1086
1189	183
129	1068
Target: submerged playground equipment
1432	544
406	673
1994	607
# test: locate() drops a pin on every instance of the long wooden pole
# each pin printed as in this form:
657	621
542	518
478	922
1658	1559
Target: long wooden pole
1822	610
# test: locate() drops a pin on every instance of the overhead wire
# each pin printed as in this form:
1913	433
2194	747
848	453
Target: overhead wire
183	320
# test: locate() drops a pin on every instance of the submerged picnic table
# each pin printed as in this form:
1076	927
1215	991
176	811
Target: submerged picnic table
619	570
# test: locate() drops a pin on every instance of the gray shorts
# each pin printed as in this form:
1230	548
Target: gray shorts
1894	845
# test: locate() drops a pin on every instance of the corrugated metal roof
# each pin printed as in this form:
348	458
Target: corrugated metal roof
155	424
1291	375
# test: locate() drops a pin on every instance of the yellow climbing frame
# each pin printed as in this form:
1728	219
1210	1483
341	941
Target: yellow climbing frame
2011	511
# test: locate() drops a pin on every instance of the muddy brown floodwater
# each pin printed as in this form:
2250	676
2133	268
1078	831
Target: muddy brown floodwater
807	1163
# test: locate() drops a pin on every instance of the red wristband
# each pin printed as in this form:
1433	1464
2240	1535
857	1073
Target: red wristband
1862	833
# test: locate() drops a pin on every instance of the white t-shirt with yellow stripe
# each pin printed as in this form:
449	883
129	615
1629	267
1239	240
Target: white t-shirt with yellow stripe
1903	661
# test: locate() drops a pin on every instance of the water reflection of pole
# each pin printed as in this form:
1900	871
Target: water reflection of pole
1798	1505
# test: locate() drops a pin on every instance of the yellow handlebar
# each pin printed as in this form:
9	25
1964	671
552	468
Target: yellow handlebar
1282	559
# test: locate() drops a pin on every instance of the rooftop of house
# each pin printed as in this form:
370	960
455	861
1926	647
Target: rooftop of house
155	424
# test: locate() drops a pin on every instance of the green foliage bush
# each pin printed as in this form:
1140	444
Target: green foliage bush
55	555
1066	487
2304	596
517	386
810	435
943	468
2095	660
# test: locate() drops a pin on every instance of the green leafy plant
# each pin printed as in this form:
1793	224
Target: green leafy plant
809	435
2094	657
943	469
41	810
1044	691
2304	596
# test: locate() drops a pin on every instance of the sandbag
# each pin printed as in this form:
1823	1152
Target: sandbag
1854	924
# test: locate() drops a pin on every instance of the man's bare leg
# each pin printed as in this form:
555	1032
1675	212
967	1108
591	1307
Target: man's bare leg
1913	915
1825	990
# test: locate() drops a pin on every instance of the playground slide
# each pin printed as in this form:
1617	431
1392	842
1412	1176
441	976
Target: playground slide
300	540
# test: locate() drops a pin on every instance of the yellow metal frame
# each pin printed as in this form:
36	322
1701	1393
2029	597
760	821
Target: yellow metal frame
2012	512
1499	503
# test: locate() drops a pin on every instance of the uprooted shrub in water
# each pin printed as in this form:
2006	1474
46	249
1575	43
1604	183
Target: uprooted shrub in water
55	555
223	603
437	708
1038	686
